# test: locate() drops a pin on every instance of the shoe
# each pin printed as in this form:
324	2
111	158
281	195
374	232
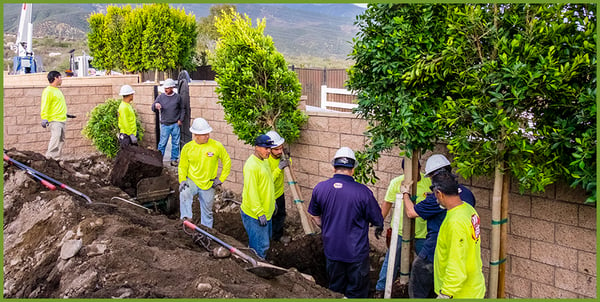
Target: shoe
378	294
174	163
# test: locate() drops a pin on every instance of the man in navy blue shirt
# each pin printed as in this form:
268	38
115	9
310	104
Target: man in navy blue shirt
344	209
421	275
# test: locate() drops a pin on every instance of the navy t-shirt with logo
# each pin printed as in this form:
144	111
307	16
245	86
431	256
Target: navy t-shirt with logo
346	209
430	210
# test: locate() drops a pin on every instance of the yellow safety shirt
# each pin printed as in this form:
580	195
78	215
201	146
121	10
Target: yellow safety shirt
258	195
422	190
54	106
457	267
277	175
200	163
127	123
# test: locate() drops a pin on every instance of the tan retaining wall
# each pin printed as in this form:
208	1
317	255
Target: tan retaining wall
552	236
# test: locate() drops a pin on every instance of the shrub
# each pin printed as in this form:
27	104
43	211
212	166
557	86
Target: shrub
102	127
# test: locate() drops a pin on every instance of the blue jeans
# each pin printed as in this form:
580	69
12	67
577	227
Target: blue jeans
383	272
421	284
258	236
166	131
349	278
205	197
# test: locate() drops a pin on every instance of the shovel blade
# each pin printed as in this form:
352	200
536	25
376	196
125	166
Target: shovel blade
267	271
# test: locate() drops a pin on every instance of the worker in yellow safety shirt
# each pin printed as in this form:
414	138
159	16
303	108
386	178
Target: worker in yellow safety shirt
54	114
126	118
277	164
198	167
457	266
258	196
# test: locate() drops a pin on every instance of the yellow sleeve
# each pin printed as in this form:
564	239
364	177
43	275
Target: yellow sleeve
45	107
226	162
182	168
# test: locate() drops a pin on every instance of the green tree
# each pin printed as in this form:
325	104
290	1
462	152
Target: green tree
256	89
207	32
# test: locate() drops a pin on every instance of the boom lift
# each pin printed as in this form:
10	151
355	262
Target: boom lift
25	61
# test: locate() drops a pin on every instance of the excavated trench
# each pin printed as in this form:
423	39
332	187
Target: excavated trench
127	252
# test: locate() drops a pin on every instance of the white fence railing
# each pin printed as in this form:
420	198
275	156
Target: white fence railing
324	103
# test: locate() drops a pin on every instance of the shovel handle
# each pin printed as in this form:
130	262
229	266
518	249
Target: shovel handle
221	242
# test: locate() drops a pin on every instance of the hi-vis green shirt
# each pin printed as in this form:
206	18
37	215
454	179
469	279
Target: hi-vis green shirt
54	106
200	163
258	195
127	119
277	175
422	190
457	267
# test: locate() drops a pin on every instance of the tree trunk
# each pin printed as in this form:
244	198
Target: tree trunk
496	221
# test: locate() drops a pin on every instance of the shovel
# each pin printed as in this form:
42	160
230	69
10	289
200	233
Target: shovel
261	269
42	176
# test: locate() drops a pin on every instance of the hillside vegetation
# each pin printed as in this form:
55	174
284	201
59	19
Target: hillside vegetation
309	35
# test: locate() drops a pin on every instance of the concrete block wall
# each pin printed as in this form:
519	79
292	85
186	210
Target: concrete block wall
551	235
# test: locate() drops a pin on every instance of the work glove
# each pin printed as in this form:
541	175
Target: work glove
71	116
133	139
183	185
262	220
378	231
45	123
216	182
284	163
405	187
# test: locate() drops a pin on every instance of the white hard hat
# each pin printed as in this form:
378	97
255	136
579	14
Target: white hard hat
200	126
169	83
276	138
344	157
126	90
436	162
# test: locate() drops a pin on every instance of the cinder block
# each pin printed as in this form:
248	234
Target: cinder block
390	164
359	126
574	195
329	139
309	137
532	228
354	142
518	246
298	150
576	282
576	237
587	217
544	291
532	270
555	211
485	215
108	90
318	153
486	238
325	169
34	92
482	181
482	197
586	263
485	257
318	123
13	92
554	255
519	204
340	124
517	286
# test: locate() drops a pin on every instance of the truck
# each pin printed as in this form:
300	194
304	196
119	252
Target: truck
26	61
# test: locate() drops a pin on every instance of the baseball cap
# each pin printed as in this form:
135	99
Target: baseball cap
264	141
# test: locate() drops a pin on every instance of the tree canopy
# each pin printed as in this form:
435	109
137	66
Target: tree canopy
150	37
256	89
513	83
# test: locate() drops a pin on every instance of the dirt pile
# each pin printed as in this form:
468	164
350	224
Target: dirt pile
57	246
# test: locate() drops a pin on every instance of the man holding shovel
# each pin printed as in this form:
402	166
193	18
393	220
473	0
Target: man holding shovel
54	114
198	171
277	165
258	197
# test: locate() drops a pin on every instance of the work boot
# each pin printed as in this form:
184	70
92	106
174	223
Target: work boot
378	294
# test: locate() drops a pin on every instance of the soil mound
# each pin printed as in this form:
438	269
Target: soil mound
58	246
